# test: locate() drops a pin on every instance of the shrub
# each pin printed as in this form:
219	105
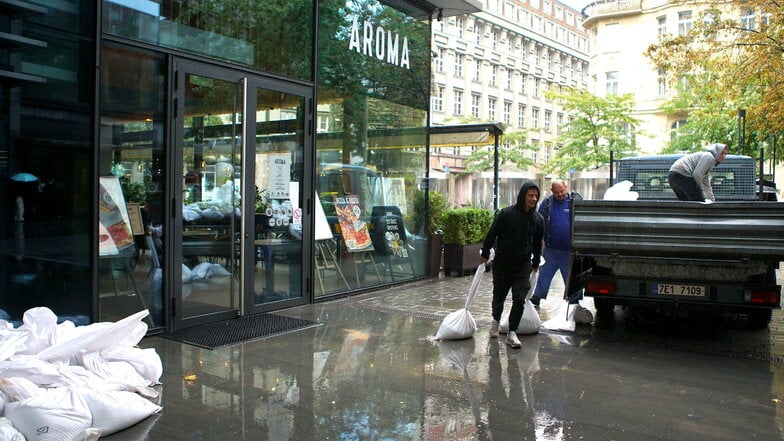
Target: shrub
437	210
466	226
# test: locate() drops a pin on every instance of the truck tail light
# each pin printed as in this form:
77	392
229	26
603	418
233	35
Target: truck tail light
770	296
599	287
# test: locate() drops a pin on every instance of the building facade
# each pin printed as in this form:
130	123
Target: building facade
495	65
212	159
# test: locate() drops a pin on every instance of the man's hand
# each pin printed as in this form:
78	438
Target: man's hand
482	260
535	269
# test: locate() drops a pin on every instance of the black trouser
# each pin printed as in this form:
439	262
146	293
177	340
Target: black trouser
685	188
516	279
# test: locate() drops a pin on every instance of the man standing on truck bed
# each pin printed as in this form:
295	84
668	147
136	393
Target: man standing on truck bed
555	209
516	234
689	176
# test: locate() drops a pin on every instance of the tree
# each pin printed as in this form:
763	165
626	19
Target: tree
511	152
596	127
739	45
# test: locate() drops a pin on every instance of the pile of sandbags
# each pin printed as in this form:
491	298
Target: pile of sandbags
61	382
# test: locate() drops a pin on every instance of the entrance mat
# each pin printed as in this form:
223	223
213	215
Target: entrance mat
239	330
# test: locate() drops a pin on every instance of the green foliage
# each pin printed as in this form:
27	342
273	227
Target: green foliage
596	127
466	226
261	201
134	192
437	208
511	152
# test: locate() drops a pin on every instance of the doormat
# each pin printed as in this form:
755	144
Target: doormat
239	330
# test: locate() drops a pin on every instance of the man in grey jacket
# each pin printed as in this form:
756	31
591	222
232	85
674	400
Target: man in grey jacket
689	176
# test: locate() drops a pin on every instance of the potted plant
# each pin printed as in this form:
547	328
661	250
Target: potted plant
464	230
434	218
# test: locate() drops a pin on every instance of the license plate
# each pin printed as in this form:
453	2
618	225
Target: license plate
679	290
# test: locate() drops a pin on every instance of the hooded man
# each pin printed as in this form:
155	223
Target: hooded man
689	176
516	235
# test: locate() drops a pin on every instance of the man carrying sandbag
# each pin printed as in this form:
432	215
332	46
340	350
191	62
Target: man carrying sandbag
516	235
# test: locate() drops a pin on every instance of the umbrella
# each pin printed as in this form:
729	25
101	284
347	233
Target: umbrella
24	177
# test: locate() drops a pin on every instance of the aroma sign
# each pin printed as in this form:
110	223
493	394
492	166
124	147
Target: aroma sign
380	43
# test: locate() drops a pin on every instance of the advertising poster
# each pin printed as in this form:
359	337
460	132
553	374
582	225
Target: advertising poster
114	227
354	231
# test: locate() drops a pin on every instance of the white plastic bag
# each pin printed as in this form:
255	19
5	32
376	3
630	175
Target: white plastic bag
530	321
582	316
8	432
113	411
621	192
461	324
59	414
563	320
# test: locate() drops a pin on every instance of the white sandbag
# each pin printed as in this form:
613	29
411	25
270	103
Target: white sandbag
125	332
187	275
8	432
530	321
457	325
146	361
120	372
206	270
113	411
563	319
39	325
30	367
621	192
59	414
90	434
582	316
11	343
461	324
19	388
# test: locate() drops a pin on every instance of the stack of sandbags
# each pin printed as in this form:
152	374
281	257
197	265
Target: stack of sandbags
60	382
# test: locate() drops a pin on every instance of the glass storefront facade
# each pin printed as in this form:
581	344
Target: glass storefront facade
217	163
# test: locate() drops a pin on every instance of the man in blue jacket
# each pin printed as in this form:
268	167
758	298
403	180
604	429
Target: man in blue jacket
516	235
555	209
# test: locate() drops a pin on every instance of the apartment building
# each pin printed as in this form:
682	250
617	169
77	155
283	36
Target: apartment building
494	66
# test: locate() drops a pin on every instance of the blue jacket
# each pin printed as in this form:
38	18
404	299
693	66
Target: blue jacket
545	209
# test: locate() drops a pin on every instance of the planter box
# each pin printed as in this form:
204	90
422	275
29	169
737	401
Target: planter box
462	259
435	245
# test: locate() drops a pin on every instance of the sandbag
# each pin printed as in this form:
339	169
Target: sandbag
582	316
563	320
58	414
8	432
530	321
113	411
457	325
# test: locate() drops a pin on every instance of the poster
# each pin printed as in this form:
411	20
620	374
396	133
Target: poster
353	229
114	227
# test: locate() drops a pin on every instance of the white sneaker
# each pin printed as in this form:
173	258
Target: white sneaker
494	329
512	340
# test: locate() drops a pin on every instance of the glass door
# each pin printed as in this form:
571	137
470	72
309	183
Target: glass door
206	202
276	272
239	203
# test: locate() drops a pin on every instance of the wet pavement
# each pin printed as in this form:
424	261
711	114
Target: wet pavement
372	371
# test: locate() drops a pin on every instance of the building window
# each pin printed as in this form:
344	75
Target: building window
684	22
478	31
477	70
439	60
458	102
493	74
438	99
475	97
535	118
493	40
509	78
508	112
523	79
491	109
547	116
675	126
459	25
559	120
662	83
661	25
459	64
536	87
612	83
747	19
521	115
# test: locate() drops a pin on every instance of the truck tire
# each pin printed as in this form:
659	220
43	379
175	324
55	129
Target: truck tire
603	306
759	318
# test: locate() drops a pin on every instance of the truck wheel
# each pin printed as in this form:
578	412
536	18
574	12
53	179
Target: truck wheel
759	318
603	306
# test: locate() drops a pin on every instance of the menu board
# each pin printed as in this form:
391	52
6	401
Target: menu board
114	227
353	229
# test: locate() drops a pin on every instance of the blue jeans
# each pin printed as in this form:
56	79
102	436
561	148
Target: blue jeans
554	260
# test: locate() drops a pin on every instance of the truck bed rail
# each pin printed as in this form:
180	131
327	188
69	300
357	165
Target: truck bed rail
724	230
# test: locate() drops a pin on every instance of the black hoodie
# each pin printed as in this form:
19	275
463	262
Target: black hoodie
516	234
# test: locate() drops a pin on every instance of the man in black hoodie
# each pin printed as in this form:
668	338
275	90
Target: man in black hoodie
516	235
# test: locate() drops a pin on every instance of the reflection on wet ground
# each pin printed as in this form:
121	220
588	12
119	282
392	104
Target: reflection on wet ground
371	371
